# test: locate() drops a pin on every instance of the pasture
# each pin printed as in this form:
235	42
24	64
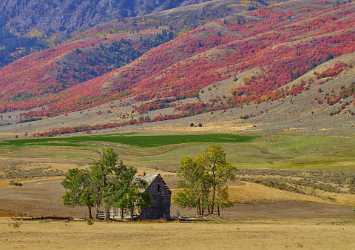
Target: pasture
164	151
130	139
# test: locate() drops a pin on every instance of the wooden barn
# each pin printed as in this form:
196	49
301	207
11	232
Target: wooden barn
160	198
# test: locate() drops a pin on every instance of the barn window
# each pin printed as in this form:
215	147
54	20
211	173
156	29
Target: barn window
158	188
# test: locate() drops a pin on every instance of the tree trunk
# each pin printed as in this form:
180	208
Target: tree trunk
209	207
97	212
107	214
132	212
218	210
198	208
214	187
213	198
122	213
90	213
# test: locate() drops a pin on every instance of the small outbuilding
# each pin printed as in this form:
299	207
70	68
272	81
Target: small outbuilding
160	198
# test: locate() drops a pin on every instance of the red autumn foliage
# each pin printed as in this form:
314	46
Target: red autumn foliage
285	44
333	71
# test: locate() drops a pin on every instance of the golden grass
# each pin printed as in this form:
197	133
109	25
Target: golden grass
249	192
5	182
343	199
252	192
245	235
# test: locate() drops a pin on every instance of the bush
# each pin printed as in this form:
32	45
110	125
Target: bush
15	183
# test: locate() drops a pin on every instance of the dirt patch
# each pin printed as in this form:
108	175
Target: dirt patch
4	213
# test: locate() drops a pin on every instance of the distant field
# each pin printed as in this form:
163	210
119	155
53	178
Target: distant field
164	151
131	139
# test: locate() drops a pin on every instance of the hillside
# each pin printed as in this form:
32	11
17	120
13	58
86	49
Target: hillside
65	16
98	42
292	61
32	23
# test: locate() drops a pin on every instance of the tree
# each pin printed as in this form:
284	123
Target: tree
204	181
219	171
79	189
194	184
125	190
73	185
100	171
88	195
116	185
107	183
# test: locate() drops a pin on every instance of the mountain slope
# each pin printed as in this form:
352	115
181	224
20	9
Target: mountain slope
51	71
36	24
252	62
67	16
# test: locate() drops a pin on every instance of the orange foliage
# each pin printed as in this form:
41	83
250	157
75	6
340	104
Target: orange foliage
284	43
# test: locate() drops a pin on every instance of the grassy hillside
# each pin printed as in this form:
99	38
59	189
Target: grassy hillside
164	152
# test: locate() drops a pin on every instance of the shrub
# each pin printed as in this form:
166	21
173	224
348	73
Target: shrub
15	183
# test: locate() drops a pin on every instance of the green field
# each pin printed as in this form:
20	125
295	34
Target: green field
130	139
164	152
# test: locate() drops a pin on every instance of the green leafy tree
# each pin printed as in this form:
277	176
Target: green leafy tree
195	186
204	181
218	171
73	186
100	172
126	191
88	195
79	189
107	183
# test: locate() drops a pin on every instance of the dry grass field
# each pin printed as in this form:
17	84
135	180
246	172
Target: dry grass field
317	215
243	235
43	197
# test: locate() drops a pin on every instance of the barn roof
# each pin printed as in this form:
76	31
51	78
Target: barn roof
149	178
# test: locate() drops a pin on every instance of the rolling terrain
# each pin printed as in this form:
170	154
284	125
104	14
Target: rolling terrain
272	82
